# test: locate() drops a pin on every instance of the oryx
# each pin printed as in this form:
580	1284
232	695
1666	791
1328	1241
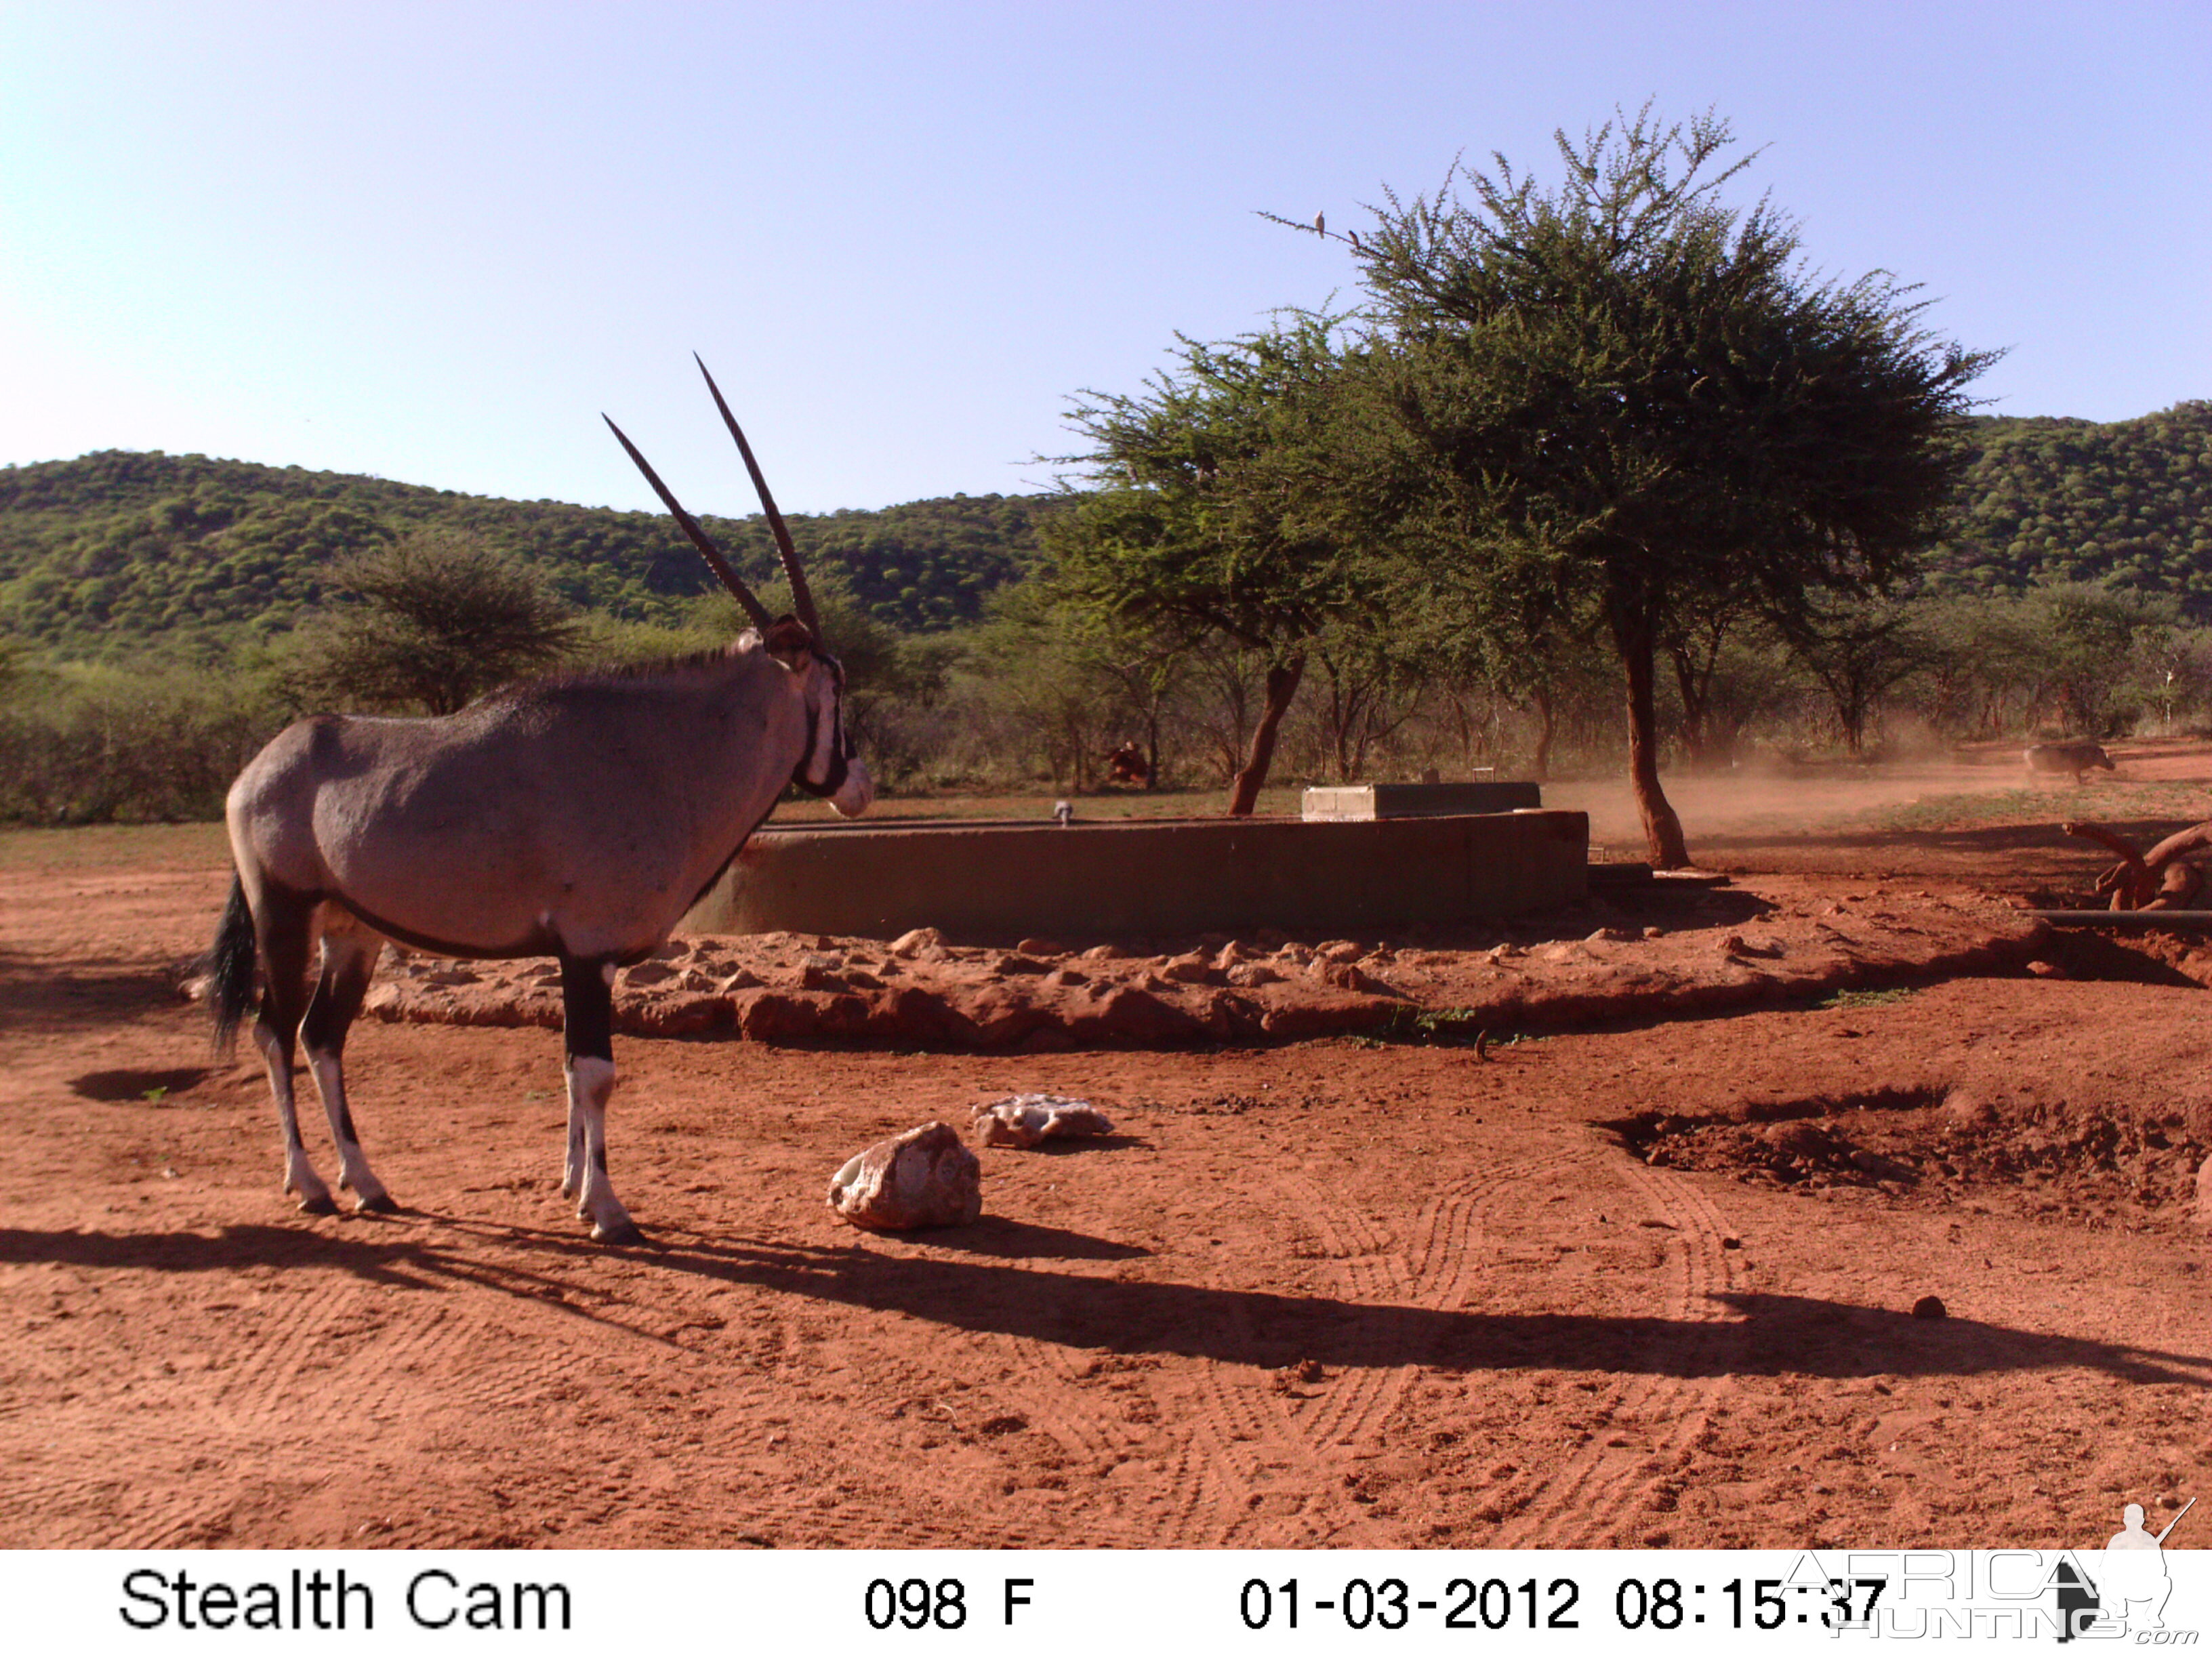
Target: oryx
576	818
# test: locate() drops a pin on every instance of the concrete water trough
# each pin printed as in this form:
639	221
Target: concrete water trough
985	881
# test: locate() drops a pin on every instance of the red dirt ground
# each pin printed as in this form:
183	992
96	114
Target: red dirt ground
1648	1281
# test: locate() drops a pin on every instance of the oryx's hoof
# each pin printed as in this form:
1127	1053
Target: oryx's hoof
569	1188
377	1203
623	1232
320	1204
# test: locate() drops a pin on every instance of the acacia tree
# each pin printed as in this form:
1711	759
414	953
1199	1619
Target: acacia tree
1195	518
1641	390
1986	666
1696	641
441	618
1860	649
2088	636
1042	681
1148	662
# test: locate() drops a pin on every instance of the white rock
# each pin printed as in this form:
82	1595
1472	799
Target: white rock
1025	1120
923	1178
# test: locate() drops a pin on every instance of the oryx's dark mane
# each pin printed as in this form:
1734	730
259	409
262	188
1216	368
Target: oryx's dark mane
659	668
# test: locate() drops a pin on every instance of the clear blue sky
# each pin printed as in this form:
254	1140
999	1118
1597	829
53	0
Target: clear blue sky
433	241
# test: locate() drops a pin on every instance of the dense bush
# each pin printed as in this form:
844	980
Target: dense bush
99	745
1032	699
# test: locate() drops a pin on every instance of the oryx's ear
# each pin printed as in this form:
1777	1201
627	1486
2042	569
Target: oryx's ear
787	640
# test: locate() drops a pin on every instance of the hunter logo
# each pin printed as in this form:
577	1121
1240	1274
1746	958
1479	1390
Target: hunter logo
2125	1589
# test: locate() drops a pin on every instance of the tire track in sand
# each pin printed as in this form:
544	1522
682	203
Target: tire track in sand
1584	1502
232	1424
1068	1394
1262	1434
1436	1268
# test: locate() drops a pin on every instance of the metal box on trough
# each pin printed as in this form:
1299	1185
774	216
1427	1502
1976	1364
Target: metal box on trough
1363	801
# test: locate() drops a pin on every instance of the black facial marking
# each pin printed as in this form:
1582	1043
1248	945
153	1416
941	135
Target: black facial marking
841	746
841	754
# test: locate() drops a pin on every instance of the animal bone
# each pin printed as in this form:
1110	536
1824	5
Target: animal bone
1026	1120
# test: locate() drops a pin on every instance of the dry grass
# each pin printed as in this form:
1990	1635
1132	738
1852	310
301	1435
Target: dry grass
92	845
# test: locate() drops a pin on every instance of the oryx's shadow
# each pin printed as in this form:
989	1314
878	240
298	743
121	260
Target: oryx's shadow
1750	1334
365	1247
996	1236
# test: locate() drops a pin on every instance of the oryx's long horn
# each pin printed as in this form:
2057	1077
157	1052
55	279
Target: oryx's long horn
802	601
700	539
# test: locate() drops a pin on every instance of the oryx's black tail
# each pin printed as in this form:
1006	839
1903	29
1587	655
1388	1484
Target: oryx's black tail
231	965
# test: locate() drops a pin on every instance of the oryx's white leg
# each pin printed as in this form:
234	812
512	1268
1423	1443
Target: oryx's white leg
590	1083
587	1036
572	1170
349	963
299	1174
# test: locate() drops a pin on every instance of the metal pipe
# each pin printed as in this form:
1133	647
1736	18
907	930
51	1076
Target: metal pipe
2130	922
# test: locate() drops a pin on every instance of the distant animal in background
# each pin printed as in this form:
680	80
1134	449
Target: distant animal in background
1128	764
2078	757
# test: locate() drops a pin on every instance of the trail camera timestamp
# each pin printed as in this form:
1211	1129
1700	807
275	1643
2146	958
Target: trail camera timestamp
1539	1603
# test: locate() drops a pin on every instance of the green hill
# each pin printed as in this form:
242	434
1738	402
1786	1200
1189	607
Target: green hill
2052	501
112	548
